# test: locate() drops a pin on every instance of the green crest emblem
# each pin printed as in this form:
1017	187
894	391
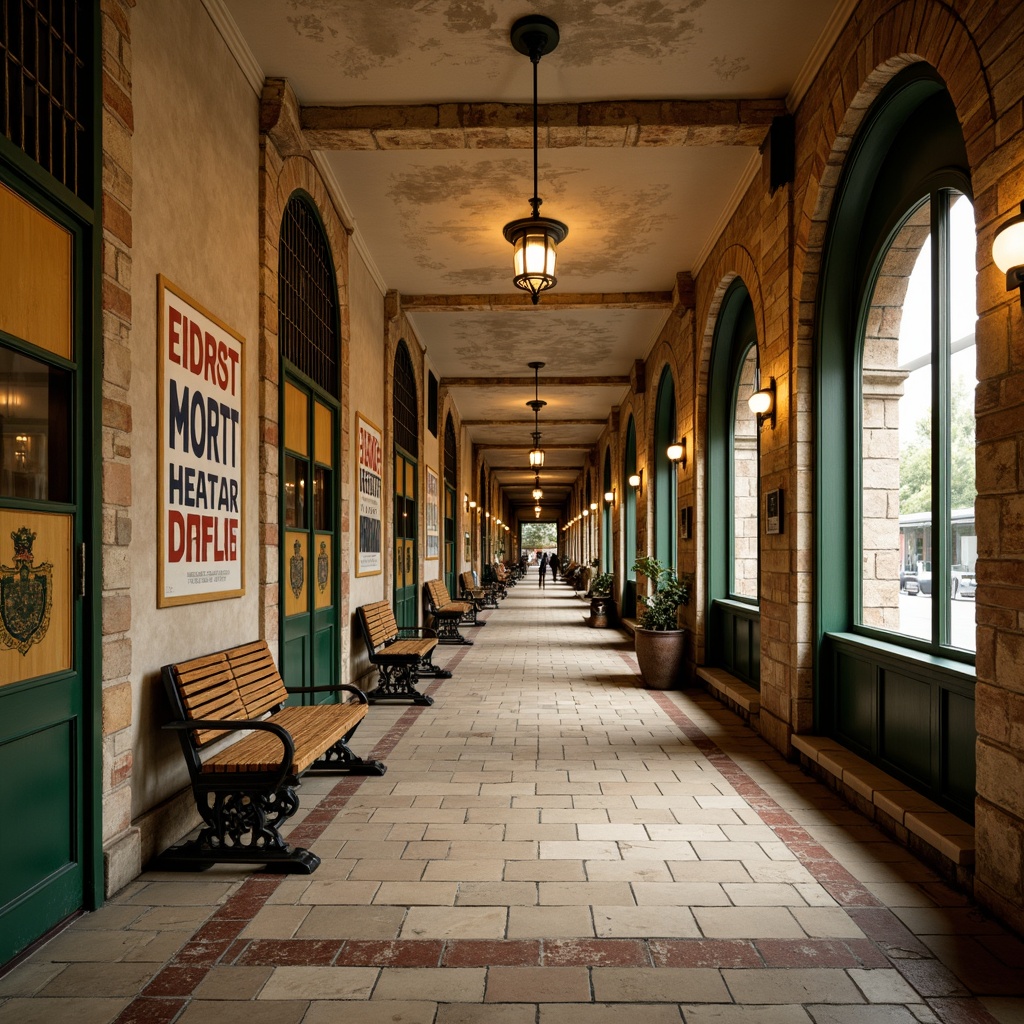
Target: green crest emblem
26	595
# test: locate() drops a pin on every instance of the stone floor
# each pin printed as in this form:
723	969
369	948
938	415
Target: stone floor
552	844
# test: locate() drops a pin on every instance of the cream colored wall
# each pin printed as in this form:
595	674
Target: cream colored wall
195	154
366	396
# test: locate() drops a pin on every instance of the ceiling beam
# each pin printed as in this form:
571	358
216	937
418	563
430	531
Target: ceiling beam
549	382
605	124
521	302
583	446
548	422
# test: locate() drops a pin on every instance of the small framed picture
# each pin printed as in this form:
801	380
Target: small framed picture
773	512
686	521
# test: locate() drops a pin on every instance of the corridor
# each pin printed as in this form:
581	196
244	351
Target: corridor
551	844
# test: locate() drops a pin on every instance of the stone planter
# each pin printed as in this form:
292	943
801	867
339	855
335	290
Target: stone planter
660	653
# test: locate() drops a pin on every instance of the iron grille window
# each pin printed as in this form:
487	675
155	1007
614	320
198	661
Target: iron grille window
449	453
46	94
307	299
406	408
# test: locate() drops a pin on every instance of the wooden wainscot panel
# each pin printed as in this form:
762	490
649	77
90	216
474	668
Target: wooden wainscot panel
35	595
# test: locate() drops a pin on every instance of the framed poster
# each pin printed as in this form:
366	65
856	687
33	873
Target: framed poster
686	521
433	505
369	482
200	445
773	512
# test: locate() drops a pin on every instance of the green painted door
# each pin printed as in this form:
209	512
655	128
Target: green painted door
46	857
310	641
405	539
449	542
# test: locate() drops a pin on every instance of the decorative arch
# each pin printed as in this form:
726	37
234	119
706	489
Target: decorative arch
279	180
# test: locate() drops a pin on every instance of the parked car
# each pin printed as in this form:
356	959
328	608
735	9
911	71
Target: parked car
967	585
919	581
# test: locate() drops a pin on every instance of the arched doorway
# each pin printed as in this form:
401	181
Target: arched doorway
310	336
405	420
450	480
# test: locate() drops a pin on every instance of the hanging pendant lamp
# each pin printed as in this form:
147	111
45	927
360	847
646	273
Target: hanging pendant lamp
536	453
535	238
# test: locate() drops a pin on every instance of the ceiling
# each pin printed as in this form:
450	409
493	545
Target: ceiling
651	113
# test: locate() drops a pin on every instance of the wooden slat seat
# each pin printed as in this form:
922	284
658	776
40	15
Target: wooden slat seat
245	789
483	597
401	654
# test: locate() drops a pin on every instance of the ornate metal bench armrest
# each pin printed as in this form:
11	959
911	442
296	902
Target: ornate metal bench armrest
234	725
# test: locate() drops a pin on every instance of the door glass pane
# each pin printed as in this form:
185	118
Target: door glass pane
744	486
963	380
322	504
896	437
35	440
296	472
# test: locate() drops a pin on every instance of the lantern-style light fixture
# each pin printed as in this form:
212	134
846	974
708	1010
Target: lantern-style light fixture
537	492
536	453
609	496
586	512
535	238
1008	252
762	400
536	508
636	481
676	451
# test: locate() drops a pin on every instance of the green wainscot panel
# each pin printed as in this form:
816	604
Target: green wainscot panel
906	712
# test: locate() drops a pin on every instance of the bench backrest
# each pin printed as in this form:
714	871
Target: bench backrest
234	685
378	623
438	593
466	580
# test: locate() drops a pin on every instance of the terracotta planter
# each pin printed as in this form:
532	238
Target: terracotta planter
660	653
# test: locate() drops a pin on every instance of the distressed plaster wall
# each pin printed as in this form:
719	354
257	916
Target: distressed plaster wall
195	162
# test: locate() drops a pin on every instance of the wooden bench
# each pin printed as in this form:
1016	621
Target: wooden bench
448	614
491	577
401	654
483	597
245	791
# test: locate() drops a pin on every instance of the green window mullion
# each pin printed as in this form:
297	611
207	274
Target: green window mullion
940	418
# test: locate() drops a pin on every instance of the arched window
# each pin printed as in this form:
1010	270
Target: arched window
307	300
607	558
733	491
665	471
896	361
629	522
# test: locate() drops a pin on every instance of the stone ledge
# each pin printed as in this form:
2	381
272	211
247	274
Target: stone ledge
741	698
910	816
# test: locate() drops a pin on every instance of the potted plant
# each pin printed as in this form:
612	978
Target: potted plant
660	642
600	599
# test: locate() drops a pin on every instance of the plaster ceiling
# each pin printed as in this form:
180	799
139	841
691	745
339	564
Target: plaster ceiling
429	198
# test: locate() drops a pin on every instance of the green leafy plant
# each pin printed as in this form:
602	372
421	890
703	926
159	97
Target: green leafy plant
670	592
601	584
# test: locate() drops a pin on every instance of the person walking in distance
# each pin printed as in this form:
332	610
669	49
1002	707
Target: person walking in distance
553	563
542	569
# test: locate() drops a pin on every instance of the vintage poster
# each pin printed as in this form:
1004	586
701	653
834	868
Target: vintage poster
433	506
369	481
200	517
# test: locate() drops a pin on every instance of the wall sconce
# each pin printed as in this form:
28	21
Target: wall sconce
593	506
609	496
585	513
636	481
487	515
1008	252
762	401
676	452
472	505
466	503
497	522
